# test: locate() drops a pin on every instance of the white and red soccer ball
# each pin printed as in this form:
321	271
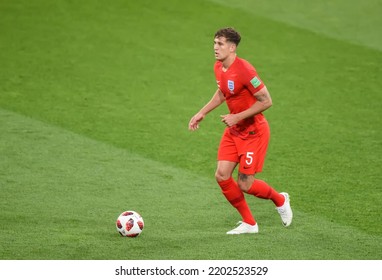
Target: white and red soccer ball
130	224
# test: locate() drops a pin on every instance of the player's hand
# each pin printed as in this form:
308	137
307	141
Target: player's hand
194	122
230	119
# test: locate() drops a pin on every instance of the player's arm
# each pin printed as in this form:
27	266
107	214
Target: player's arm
217	99
264	101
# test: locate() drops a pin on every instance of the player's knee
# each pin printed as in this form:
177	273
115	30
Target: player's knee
243	185
245	181
221	176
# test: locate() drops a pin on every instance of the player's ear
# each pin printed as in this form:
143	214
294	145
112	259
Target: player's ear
232	47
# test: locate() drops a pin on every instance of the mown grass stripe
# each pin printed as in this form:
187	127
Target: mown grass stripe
61	193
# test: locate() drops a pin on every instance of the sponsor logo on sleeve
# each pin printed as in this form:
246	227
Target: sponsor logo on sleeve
255	82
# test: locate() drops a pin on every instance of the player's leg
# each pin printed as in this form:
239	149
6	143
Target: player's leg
252	158
260	189
235	197
249	184
227	162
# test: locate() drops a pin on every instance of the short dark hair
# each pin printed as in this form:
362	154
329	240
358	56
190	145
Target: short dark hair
230	34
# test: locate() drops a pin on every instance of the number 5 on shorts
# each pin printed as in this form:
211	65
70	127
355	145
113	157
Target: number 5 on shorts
249	158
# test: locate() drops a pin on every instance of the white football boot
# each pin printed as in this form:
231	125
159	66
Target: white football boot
285	211
244	228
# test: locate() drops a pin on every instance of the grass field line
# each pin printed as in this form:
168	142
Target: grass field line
71	174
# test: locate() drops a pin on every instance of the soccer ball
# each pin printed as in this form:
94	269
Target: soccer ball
130	224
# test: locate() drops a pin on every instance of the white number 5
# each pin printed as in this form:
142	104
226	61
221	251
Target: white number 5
249	158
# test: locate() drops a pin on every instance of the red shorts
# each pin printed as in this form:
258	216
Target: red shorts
249	153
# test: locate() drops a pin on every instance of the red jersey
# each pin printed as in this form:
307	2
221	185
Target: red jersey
238	84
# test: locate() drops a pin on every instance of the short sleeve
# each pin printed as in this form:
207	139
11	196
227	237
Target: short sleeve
251	79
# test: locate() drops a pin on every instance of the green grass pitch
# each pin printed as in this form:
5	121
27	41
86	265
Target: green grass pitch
95	99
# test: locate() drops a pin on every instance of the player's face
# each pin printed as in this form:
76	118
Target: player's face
222	48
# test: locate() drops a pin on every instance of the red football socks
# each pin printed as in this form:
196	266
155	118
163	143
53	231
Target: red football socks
235	196
261	189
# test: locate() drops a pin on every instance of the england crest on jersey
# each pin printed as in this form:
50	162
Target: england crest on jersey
231	86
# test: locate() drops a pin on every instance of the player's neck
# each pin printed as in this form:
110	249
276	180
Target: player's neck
228	62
